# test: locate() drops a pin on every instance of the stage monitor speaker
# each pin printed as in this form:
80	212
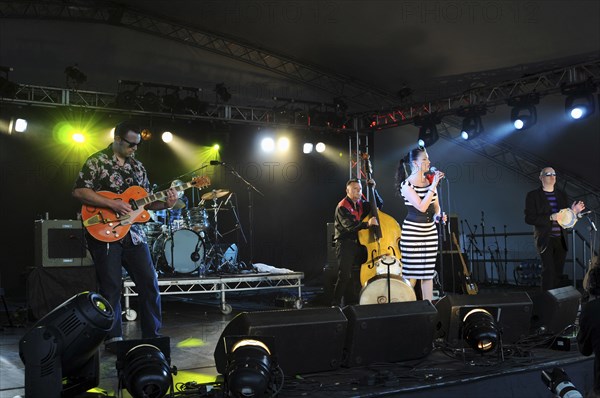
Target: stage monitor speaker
60	243
306	341
511	311
392	332
555	309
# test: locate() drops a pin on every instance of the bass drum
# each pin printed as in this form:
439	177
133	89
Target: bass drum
181	254
376	290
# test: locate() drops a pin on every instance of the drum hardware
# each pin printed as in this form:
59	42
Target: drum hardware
214	194
388	285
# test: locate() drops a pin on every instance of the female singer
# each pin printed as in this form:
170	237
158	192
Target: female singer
419	239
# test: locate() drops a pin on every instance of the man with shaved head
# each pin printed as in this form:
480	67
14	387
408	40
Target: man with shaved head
542	208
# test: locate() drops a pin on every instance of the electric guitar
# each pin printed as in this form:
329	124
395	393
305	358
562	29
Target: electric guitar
108	226
469	286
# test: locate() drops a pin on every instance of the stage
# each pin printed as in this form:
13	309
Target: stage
194	324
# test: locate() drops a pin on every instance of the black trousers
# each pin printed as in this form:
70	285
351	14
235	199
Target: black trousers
350	256
553	263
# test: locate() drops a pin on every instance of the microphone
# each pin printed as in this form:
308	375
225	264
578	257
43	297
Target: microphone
216	162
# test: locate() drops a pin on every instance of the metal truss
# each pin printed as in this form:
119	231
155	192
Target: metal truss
545	83
353	90
520	162
44	96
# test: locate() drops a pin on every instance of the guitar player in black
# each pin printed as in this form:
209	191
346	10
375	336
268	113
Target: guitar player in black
115	169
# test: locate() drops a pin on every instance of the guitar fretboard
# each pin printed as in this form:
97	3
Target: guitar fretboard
162	195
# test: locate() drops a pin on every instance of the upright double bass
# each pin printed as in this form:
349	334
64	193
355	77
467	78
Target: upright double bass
379	239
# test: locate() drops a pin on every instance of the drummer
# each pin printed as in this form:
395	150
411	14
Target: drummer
173	216
542	208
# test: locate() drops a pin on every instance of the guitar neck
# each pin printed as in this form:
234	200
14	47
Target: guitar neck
162	194
459	250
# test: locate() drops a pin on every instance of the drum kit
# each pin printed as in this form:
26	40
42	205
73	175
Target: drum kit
184	241
388	285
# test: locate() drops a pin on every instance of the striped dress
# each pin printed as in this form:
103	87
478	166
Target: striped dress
419	239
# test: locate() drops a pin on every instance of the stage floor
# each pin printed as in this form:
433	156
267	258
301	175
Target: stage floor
195	323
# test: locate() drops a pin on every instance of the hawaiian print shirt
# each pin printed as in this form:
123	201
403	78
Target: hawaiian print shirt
101	172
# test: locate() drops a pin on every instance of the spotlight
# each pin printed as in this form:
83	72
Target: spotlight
145	371
559	383
250	366
428	133
580	101
60	352
146	134
307	147
75	77
267	144
222	92
78	137
17	126
524	114
320	147
150	102
471	125
480	331
167	137
283	144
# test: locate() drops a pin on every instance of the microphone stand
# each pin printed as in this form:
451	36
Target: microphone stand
250	188
441	239
501	272
505	250
473	246
483	243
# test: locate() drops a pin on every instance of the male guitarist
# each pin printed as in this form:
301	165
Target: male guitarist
115	169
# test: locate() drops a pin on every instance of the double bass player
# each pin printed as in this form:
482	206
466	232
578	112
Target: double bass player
349	215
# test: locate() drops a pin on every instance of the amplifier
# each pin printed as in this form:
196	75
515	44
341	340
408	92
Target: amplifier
60	243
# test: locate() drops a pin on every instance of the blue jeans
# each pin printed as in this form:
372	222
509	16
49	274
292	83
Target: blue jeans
108	259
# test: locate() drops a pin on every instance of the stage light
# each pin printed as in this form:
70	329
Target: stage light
283	144
60	351
472	125
524	113
75	77
78	137
267	144
145	372
216	147
480	331
428	133
320	147
145	134
20	125
150	102
580	101
250	367
307	147
167	137
222	92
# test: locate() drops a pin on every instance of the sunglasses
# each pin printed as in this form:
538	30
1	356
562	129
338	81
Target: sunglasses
550	174
131	144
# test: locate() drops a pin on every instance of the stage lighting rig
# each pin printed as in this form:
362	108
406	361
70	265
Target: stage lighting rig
480	331
523	114
428	133
144	367
251	369
60	352
580	101
222	92
472	126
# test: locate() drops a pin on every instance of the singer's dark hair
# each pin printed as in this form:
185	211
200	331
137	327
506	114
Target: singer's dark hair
405	165
123	128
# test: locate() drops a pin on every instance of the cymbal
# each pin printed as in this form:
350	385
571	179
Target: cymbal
214	194
180	204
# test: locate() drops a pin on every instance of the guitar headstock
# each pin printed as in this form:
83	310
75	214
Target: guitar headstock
200	182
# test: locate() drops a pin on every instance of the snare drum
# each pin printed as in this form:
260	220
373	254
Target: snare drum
198	218
183	253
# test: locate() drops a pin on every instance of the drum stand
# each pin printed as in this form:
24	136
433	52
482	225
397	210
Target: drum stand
215	257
